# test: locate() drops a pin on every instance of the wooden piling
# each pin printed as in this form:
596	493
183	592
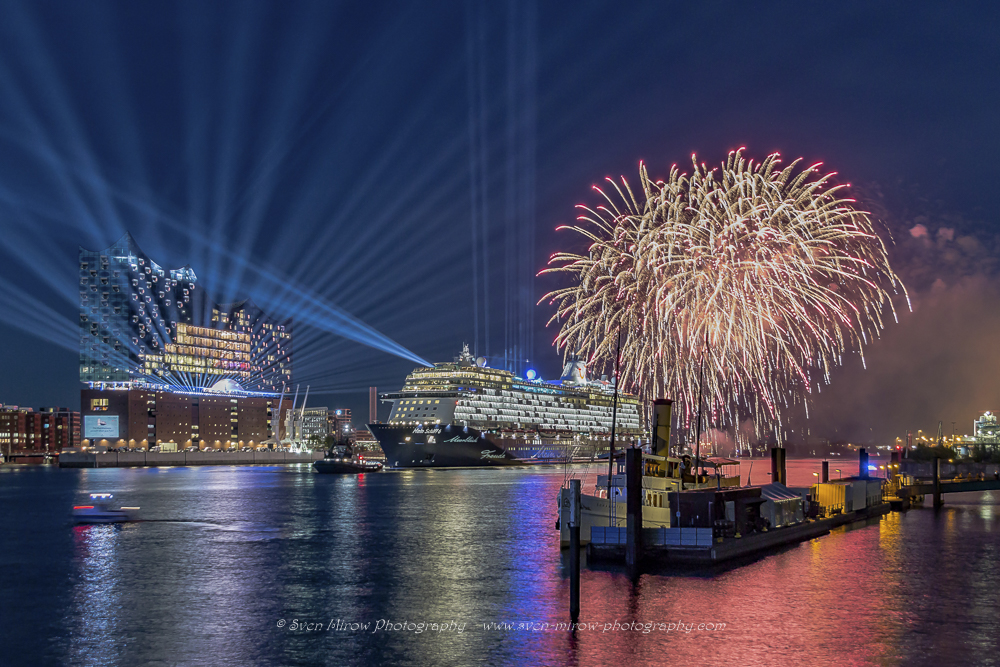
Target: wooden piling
778	465
574	550
825	475
938	501
633	516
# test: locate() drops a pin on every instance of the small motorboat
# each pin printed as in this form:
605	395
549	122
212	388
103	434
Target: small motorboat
100	511
346	465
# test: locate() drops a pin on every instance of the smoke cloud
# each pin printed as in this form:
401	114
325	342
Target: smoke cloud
939	363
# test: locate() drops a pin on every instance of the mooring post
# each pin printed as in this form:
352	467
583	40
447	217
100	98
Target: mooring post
574	550
937	483
781	470
825	476
775	464
633	515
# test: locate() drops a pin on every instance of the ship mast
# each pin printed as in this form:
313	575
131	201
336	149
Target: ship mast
697	442
614	421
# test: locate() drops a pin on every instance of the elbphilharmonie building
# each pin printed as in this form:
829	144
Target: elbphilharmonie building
165	366
142	325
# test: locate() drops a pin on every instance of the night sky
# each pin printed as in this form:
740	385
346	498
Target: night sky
391	175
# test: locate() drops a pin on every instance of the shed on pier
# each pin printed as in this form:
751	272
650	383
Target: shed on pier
847	495
782	506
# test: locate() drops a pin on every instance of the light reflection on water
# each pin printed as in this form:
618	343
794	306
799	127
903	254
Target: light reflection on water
96	623
223	553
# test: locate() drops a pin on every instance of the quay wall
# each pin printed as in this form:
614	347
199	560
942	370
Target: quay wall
146	459
948	470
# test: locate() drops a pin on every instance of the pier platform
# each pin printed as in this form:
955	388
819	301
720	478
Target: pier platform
152	459
696	546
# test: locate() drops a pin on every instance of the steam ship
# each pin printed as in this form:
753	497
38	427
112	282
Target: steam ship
464	414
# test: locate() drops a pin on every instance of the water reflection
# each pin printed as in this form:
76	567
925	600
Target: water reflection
225	553
95	621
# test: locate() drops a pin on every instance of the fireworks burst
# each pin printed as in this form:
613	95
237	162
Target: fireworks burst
755	277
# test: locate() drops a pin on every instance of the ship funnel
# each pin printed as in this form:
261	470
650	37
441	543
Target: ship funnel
574	372
661	426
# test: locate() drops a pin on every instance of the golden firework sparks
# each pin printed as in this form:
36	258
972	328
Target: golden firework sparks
766	275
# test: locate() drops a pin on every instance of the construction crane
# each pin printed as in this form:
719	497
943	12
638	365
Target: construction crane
275	438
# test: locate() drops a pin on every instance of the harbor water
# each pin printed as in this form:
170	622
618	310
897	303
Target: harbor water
240	565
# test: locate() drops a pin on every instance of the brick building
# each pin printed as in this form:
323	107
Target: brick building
340	423
45	431
144	418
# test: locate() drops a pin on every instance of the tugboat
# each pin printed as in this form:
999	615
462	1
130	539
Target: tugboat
341	460
662	476
100	511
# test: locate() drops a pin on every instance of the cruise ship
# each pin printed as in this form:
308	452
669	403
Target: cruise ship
464	414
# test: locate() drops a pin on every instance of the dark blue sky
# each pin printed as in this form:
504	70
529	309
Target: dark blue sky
351	150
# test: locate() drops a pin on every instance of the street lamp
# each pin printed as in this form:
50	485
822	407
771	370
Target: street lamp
839	476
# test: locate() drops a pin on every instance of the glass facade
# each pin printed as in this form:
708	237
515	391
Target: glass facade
145	326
